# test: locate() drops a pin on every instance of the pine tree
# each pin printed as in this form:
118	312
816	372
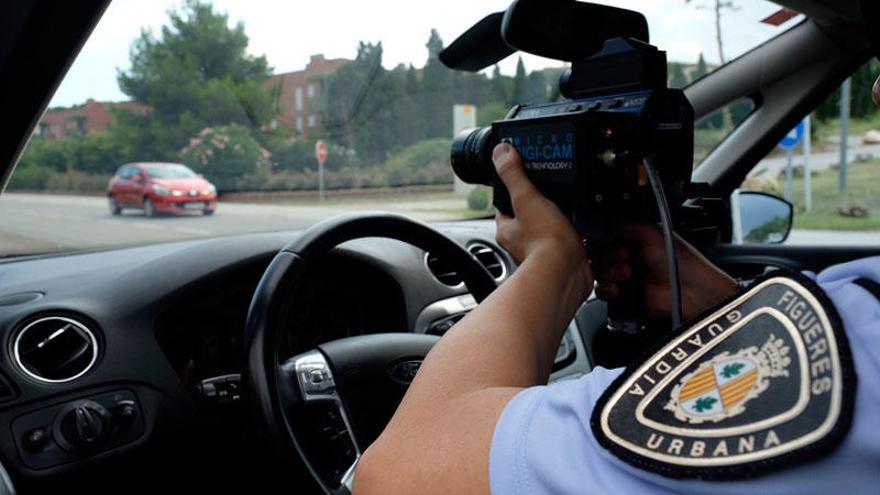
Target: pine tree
520	81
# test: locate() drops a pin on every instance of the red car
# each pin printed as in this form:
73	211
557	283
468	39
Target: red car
160	188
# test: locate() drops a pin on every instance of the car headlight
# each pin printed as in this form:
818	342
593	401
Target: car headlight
177	193
161	191
209	190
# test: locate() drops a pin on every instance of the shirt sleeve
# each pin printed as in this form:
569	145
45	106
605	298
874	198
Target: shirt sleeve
543	442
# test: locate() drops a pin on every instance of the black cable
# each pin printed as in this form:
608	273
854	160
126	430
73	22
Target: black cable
668	241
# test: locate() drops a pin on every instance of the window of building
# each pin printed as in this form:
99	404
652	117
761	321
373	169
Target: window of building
312	121
299	124
298	96
311	90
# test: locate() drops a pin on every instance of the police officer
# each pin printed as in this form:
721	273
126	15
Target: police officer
479	419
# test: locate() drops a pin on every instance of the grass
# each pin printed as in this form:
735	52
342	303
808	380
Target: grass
863	186
830	129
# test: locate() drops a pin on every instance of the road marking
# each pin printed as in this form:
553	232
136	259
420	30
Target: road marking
187	230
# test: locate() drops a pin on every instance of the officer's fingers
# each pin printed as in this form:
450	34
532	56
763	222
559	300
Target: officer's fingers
606	291
504	227
509	167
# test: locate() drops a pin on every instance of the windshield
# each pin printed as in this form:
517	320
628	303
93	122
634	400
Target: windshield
169	172
293	112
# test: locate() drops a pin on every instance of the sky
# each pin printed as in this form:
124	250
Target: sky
289	31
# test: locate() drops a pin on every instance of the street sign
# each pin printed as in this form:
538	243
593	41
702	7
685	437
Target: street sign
321	151
793	138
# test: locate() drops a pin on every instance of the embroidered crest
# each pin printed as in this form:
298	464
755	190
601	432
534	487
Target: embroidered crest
720	387
763	381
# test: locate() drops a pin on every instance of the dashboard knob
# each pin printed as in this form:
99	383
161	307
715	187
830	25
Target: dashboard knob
83	425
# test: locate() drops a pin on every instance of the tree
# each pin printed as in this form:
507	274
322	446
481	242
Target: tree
536	88
434	45
714	120
677	77
519	84
718	7
437	91
499	86
196	73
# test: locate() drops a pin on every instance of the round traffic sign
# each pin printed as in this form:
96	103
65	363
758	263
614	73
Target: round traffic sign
793	138
321	151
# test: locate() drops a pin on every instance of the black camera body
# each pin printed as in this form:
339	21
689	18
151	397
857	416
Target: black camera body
587	153
620	147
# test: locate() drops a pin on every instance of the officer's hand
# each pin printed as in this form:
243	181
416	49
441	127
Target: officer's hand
538	229
703	285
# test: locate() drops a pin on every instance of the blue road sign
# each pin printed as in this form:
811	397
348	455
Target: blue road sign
793	138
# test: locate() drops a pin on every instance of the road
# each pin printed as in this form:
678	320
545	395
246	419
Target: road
41	223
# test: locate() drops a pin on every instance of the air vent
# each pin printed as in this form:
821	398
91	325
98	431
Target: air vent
442	271
446	273
55	349
489	258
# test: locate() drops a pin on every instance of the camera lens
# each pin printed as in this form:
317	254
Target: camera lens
471	156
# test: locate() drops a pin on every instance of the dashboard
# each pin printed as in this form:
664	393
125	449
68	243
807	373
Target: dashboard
120	357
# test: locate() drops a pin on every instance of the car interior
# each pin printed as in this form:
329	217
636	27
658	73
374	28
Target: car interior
268	360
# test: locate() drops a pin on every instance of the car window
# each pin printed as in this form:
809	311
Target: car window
295	112
712	129
169	172
838	200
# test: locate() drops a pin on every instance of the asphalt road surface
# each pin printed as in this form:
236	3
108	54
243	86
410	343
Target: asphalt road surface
33	223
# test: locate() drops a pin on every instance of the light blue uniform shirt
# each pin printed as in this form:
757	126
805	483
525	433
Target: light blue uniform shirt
543	443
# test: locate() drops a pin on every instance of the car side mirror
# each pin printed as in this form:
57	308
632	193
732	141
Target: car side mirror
759	218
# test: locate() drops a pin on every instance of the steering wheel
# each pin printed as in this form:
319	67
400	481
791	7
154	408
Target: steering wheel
329	403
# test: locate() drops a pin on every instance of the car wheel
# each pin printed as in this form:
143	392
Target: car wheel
115	209
207	212
149	208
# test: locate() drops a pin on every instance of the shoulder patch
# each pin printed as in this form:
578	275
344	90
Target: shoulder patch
764	381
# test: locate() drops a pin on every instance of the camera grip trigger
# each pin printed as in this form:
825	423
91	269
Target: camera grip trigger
501	199
627	312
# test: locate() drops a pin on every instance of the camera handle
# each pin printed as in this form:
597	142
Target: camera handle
627	313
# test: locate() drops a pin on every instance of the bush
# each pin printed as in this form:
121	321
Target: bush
300	155
31	177
480	198
53	154
94	153
76	181
226	155
422	154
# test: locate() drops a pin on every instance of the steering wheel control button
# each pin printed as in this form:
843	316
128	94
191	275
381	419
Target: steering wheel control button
77	429
314	377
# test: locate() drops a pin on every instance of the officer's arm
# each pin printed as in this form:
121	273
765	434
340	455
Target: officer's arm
439	439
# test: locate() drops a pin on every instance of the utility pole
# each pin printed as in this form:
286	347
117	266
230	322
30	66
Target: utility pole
845	91
808	177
